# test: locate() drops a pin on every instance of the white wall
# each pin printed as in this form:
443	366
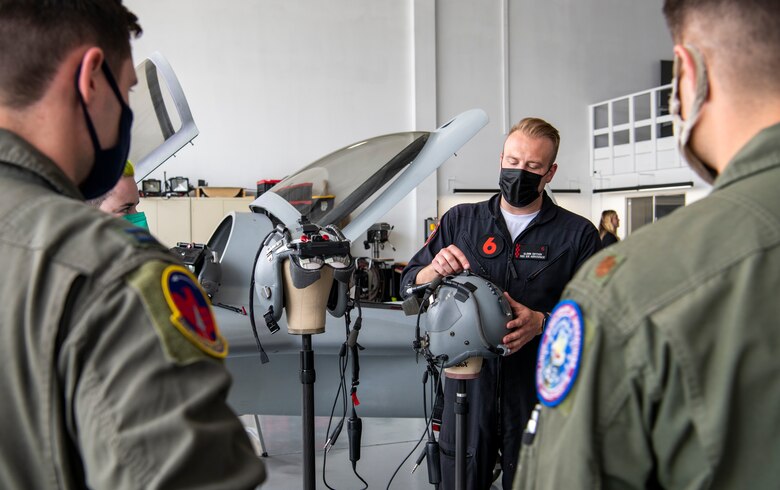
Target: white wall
275	84
562	56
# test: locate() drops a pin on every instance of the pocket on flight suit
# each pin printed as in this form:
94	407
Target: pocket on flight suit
447	454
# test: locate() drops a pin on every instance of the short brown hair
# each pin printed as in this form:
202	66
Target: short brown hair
539	128
36	35
743	37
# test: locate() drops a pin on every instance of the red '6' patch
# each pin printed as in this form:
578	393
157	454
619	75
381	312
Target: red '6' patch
490	246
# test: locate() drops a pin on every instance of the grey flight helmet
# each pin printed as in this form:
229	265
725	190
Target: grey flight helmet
309	248
467	318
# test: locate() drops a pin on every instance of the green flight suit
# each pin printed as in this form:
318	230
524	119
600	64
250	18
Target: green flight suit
678	377
99	387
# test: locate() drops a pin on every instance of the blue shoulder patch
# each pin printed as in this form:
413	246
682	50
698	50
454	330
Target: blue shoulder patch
560	350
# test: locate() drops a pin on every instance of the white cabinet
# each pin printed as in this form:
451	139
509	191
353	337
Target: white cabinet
207	212
188	219
631	137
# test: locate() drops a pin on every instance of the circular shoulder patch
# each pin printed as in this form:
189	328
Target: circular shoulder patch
191	311
559	354
490	246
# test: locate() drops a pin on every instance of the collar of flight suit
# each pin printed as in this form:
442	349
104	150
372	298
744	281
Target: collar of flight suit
18	153
759	154
546	213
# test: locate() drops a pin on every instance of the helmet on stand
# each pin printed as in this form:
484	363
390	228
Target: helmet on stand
467	318
309	249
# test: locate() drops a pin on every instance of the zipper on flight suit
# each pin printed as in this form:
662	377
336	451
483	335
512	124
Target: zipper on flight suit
515	276
547	266
474	253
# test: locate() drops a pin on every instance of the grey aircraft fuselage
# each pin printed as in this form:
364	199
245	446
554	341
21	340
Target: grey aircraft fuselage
390	374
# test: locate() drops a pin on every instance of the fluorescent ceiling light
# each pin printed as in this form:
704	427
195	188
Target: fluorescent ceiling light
651	187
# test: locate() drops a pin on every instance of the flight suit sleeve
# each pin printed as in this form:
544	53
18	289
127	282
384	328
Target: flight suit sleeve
438	240
147	404
597	437
589	245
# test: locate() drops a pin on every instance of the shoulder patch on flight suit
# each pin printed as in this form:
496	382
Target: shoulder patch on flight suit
180	312
433	234
606	267
560	351
191	310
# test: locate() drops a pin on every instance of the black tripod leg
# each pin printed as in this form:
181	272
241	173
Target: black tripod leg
461	415
308	376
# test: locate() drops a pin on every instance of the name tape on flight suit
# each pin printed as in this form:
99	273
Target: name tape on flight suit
531	251
191	312
559	353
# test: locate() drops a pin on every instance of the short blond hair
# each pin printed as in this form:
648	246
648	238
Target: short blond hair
538	128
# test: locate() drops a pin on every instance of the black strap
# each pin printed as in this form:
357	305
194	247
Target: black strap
438	404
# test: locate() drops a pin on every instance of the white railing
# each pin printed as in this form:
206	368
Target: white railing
632	134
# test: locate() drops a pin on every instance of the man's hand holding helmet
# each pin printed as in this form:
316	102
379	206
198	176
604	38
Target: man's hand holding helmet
450	261
525	325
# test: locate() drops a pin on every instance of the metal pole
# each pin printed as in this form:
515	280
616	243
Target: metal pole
308	376
461	414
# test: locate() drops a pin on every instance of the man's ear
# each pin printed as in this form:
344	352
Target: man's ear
551	173
687	78
91	68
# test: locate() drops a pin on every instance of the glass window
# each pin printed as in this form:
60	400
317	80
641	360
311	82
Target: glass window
162	121
600	116
331	188
642	107
666	204
642	133
621	137
640	212
620	112
663	101
647	209
664	130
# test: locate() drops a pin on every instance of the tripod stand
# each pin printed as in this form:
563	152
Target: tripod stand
461	417
308	377
465	371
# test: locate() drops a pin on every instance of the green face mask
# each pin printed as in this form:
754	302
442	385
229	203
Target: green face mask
138	219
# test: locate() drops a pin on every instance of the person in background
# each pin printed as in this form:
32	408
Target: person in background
526	244
659	368
123	199
608	228
113	373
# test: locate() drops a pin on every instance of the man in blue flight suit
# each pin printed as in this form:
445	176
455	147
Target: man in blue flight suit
523	242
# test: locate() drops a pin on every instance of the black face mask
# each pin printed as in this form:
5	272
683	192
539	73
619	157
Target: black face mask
109	162
520	187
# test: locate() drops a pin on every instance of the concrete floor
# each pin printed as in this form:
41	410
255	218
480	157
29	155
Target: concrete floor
385	443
